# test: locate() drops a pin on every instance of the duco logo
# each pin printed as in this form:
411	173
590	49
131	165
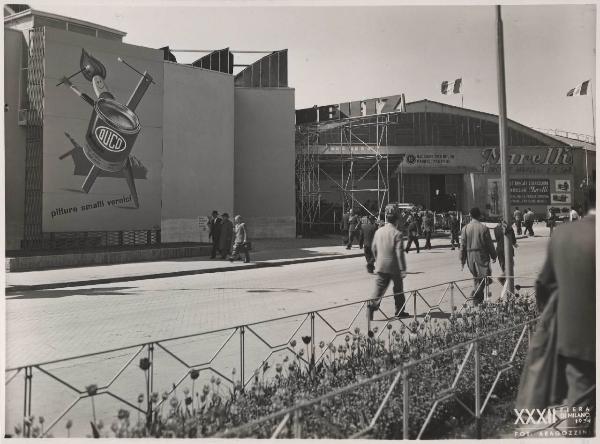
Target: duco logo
536	416
110	139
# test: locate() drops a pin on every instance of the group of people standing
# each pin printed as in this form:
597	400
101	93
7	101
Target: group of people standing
229	240
524	219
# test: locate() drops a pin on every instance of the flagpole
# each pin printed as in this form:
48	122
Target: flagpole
502	132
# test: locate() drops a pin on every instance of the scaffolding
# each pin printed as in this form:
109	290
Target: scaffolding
346	153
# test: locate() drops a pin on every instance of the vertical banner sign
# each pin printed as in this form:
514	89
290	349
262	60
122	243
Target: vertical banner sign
203	226
102	135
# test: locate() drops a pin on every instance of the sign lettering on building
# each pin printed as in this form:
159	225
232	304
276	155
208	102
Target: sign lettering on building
530	161
529	191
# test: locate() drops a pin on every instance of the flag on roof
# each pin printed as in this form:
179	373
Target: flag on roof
579	90
452	87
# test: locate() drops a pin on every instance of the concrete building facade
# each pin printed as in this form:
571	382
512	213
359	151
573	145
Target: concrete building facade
205	139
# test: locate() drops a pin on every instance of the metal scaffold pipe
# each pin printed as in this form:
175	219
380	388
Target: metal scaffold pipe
506	216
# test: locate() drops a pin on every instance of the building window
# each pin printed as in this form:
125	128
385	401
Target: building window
81	29
108	35
50	22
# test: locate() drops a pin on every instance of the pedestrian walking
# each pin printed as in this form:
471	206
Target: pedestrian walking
476	250
566	296
528	218
499	230
214	234
390	265
427	229
518	216
353	229
344	227
361	235
240	241
368	229
226	236
551	221
454	230
413	234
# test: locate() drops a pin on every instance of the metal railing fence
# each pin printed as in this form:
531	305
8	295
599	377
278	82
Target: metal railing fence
400	387
215	352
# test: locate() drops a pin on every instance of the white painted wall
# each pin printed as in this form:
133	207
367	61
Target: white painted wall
198	150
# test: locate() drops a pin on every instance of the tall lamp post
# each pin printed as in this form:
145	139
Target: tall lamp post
508	247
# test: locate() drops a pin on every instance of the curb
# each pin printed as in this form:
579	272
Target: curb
265	264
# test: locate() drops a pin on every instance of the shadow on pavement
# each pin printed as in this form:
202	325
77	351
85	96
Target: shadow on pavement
62	293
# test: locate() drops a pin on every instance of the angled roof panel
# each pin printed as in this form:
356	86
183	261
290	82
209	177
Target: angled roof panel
268	72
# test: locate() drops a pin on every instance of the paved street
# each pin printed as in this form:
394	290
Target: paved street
51	324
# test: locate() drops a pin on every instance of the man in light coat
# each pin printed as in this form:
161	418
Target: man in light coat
390	264
518	216
476	250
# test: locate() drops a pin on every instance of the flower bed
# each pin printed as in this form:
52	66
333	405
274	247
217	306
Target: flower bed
214	408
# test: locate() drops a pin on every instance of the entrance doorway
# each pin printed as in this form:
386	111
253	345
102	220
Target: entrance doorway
439	197
437	189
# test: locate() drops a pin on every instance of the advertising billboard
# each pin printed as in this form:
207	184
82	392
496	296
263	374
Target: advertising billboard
102	134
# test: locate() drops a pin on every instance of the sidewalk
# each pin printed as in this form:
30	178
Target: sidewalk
267	253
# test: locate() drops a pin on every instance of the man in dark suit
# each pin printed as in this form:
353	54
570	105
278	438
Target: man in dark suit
413	233
226	238
353	228
390	264
367	233
214	233
344	227
570	269
499	231
454	224
476	250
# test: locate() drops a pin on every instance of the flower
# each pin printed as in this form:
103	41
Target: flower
114	427
347	338
188	400
212	379
165	395
306	339
375	329
140	398
174	402
154	397
233	371
321	344
286	358
389	326
357	330
144	364
494	352
69	424
123	414
194	374
370	333
91	389
100	424
218	381
205	389
293	343
278	368
301	352
41	419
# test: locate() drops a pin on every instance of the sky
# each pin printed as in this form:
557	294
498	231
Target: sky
349	52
